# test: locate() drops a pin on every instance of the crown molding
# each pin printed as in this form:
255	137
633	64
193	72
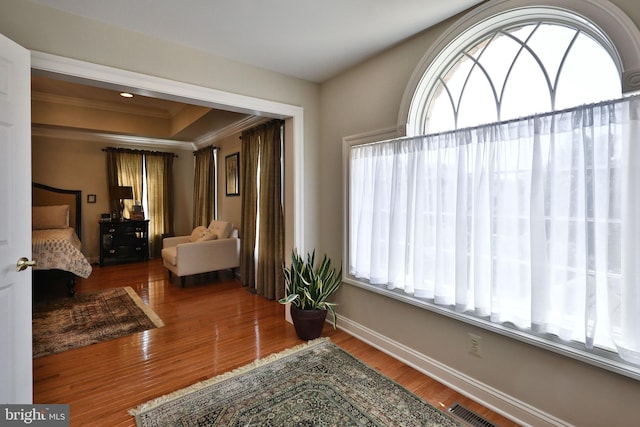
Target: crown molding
99	105
229	130
124	140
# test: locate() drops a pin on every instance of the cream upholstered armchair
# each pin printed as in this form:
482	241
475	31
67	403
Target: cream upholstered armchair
212	248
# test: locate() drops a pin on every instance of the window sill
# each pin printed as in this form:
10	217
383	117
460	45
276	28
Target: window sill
597	357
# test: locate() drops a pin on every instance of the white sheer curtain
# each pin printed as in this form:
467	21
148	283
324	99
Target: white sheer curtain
534	222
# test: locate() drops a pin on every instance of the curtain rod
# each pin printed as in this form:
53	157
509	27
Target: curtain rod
262	125
213	147
598	104
131	150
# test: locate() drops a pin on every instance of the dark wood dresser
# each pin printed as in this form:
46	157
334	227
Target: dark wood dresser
124	241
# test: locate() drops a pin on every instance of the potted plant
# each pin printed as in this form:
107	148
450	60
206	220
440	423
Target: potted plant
307	288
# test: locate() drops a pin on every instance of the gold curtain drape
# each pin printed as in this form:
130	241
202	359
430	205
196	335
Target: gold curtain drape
124	168
112	179
249	194
204	191
159	168
262	211
270	278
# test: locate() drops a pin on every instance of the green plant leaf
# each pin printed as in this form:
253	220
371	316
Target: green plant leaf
288	299
308	286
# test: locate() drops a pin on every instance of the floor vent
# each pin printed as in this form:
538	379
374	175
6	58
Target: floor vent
469	416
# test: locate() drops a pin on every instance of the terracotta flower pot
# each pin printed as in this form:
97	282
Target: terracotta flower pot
308	323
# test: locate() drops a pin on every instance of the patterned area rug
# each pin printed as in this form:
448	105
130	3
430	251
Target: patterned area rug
315	384
86	319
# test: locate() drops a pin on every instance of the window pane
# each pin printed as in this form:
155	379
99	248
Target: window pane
498	57
478	103
522	32
550	42
440	115
456	77
526	91
588	75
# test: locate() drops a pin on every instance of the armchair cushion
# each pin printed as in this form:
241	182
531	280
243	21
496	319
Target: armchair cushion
202	234
208	235
221	228
196	234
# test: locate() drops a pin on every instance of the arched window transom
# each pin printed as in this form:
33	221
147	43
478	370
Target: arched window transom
520	70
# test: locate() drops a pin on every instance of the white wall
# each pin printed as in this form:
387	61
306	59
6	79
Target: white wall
365	99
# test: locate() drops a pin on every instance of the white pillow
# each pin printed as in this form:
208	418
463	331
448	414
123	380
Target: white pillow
207	235
45	217
197	233
221	228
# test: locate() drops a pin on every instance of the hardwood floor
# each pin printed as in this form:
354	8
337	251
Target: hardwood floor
211	326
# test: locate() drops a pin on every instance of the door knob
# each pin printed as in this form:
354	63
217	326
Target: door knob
23	263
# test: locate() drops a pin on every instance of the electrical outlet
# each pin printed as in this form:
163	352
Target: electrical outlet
475	344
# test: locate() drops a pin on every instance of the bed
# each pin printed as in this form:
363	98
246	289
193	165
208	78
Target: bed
56	231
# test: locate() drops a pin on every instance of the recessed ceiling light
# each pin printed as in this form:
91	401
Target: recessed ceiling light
126	95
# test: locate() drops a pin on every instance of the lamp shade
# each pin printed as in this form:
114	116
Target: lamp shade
120	193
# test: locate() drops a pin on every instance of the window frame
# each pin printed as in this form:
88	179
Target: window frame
601	358
601	20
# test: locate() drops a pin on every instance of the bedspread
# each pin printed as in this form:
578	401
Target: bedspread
59	249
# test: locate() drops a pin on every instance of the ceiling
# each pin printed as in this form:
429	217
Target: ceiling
313	41
91	112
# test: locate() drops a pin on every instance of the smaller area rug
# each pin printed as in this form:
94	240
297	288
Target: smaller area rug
315	384
85	319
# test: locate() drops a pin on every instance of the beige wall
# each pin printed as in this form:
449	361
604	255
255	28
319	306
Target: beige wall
46	30
81	165
363	99
367	98
229	207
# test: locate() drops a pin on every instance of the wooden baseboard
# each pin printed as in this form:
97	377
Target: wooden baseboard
508	406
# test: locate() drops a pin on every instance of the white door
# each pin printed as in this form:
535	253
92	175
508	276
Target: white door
15	223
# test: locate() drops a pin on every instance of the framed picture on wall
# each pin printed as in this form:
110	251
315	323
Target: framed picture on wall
232	172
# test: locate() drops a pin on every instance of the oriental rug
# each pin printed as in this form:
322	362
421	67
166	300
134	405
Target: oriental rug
314	384
68	323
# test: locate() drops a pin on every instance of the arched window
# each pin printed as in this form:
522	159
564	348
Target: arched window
500	220
519	70
507	60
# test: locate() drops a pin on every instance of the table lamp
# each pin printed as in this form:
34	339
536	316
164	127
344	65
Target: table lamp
122	194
